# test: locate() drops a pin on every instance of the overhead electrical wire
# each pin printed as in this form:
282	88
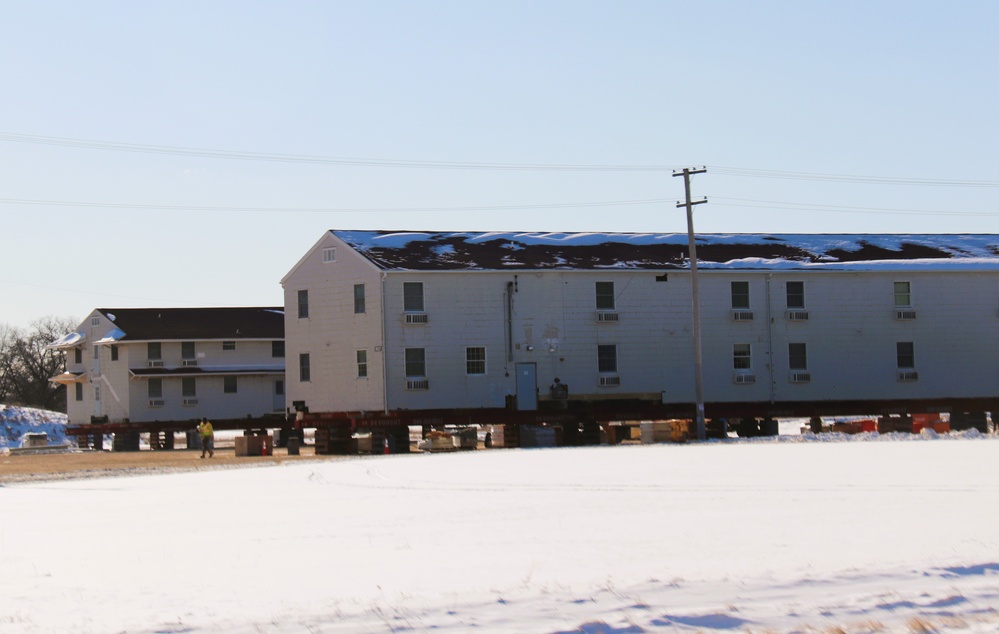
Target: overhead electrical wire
72	203
476	165
326	160
776	204
847	178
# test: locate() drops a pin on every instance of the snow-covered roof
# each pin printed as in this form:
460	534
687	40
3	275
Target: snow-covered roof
450	251
71	340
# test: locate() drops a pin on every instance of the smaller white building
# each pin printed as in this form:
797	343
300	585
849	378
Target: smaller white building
174	364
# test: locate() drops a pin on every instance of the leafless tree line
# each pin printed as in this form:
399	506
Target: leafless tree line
26	366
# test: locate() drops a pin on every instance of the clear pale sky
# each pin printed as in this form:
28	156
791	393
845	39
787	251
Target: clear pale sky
777	99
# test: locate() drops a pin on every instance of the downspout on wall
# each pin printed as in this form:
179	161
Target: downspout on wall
385	407
770	340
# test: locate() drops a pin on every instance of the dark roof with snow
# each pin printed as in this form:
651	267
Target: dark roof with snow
450	251
188	324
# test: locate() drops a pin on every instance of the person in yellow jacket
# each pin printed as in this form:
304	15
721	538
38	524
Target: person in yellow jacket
207	438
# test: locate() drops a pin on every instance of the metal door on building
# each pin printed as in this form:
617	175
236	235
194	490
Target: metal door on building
527	386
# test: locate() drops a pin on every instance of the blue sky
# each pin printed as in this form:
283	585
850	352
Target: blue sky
777	99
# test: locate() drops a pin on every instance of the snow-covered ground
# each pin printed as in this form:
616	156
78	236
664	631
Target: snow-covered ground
803	533
16	421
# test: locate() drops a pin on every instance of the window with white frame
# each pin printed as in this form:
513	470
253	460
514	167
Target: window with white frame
189	387
304	368
187	350
329	255
362	364
475	360
416	363
78	355
412	297
740	295
155	388
607	358
228	345
605	295
359	307
742	356
797	356
303	304
229	384
903	295
795	294
154	351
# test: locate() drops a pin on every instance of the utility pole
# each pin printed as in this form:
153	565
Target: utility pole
695	296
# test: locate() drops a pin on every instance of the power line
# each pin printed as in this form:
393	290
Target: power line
325	160
849	178
107	205
795	206
477	165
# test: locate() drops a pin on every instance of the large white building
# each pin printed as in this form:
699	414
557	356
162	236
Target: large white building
386	321
174	364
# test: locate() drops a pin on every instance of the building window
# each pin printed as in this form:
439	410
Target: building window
605	295
303	304
304	371
358	298
189	386
416	363
155	388
797	356
740	295
154	351
187	350
742	356
79	391
905	355
903	295
78	355
229	384
114	352
607	358
278	388
362	364
475	360
97	393
228	345
277	349
95	321
329	255
412	297
97	352
795	294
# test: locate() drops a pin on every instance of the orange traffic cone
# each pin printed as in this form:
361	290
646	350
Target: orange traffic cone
386	447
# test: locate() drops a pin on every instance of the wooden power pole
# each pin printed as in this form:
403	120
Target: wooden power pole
695	296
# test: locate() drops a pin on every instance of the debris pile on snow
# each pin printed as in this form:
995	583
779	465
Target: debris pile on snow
16	421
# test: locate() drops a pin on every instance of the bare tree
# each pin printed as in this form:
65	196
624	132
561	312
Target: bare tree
7	336
26	365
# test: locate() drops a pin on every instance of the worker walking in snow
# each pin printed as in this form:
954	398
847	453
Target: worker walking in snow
207	435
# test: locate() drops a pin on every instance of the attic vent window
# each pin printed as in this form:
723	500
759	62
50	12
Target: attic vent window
329	255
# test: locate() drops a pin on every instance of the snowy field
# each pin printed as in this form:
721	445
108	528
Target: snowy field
890	533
